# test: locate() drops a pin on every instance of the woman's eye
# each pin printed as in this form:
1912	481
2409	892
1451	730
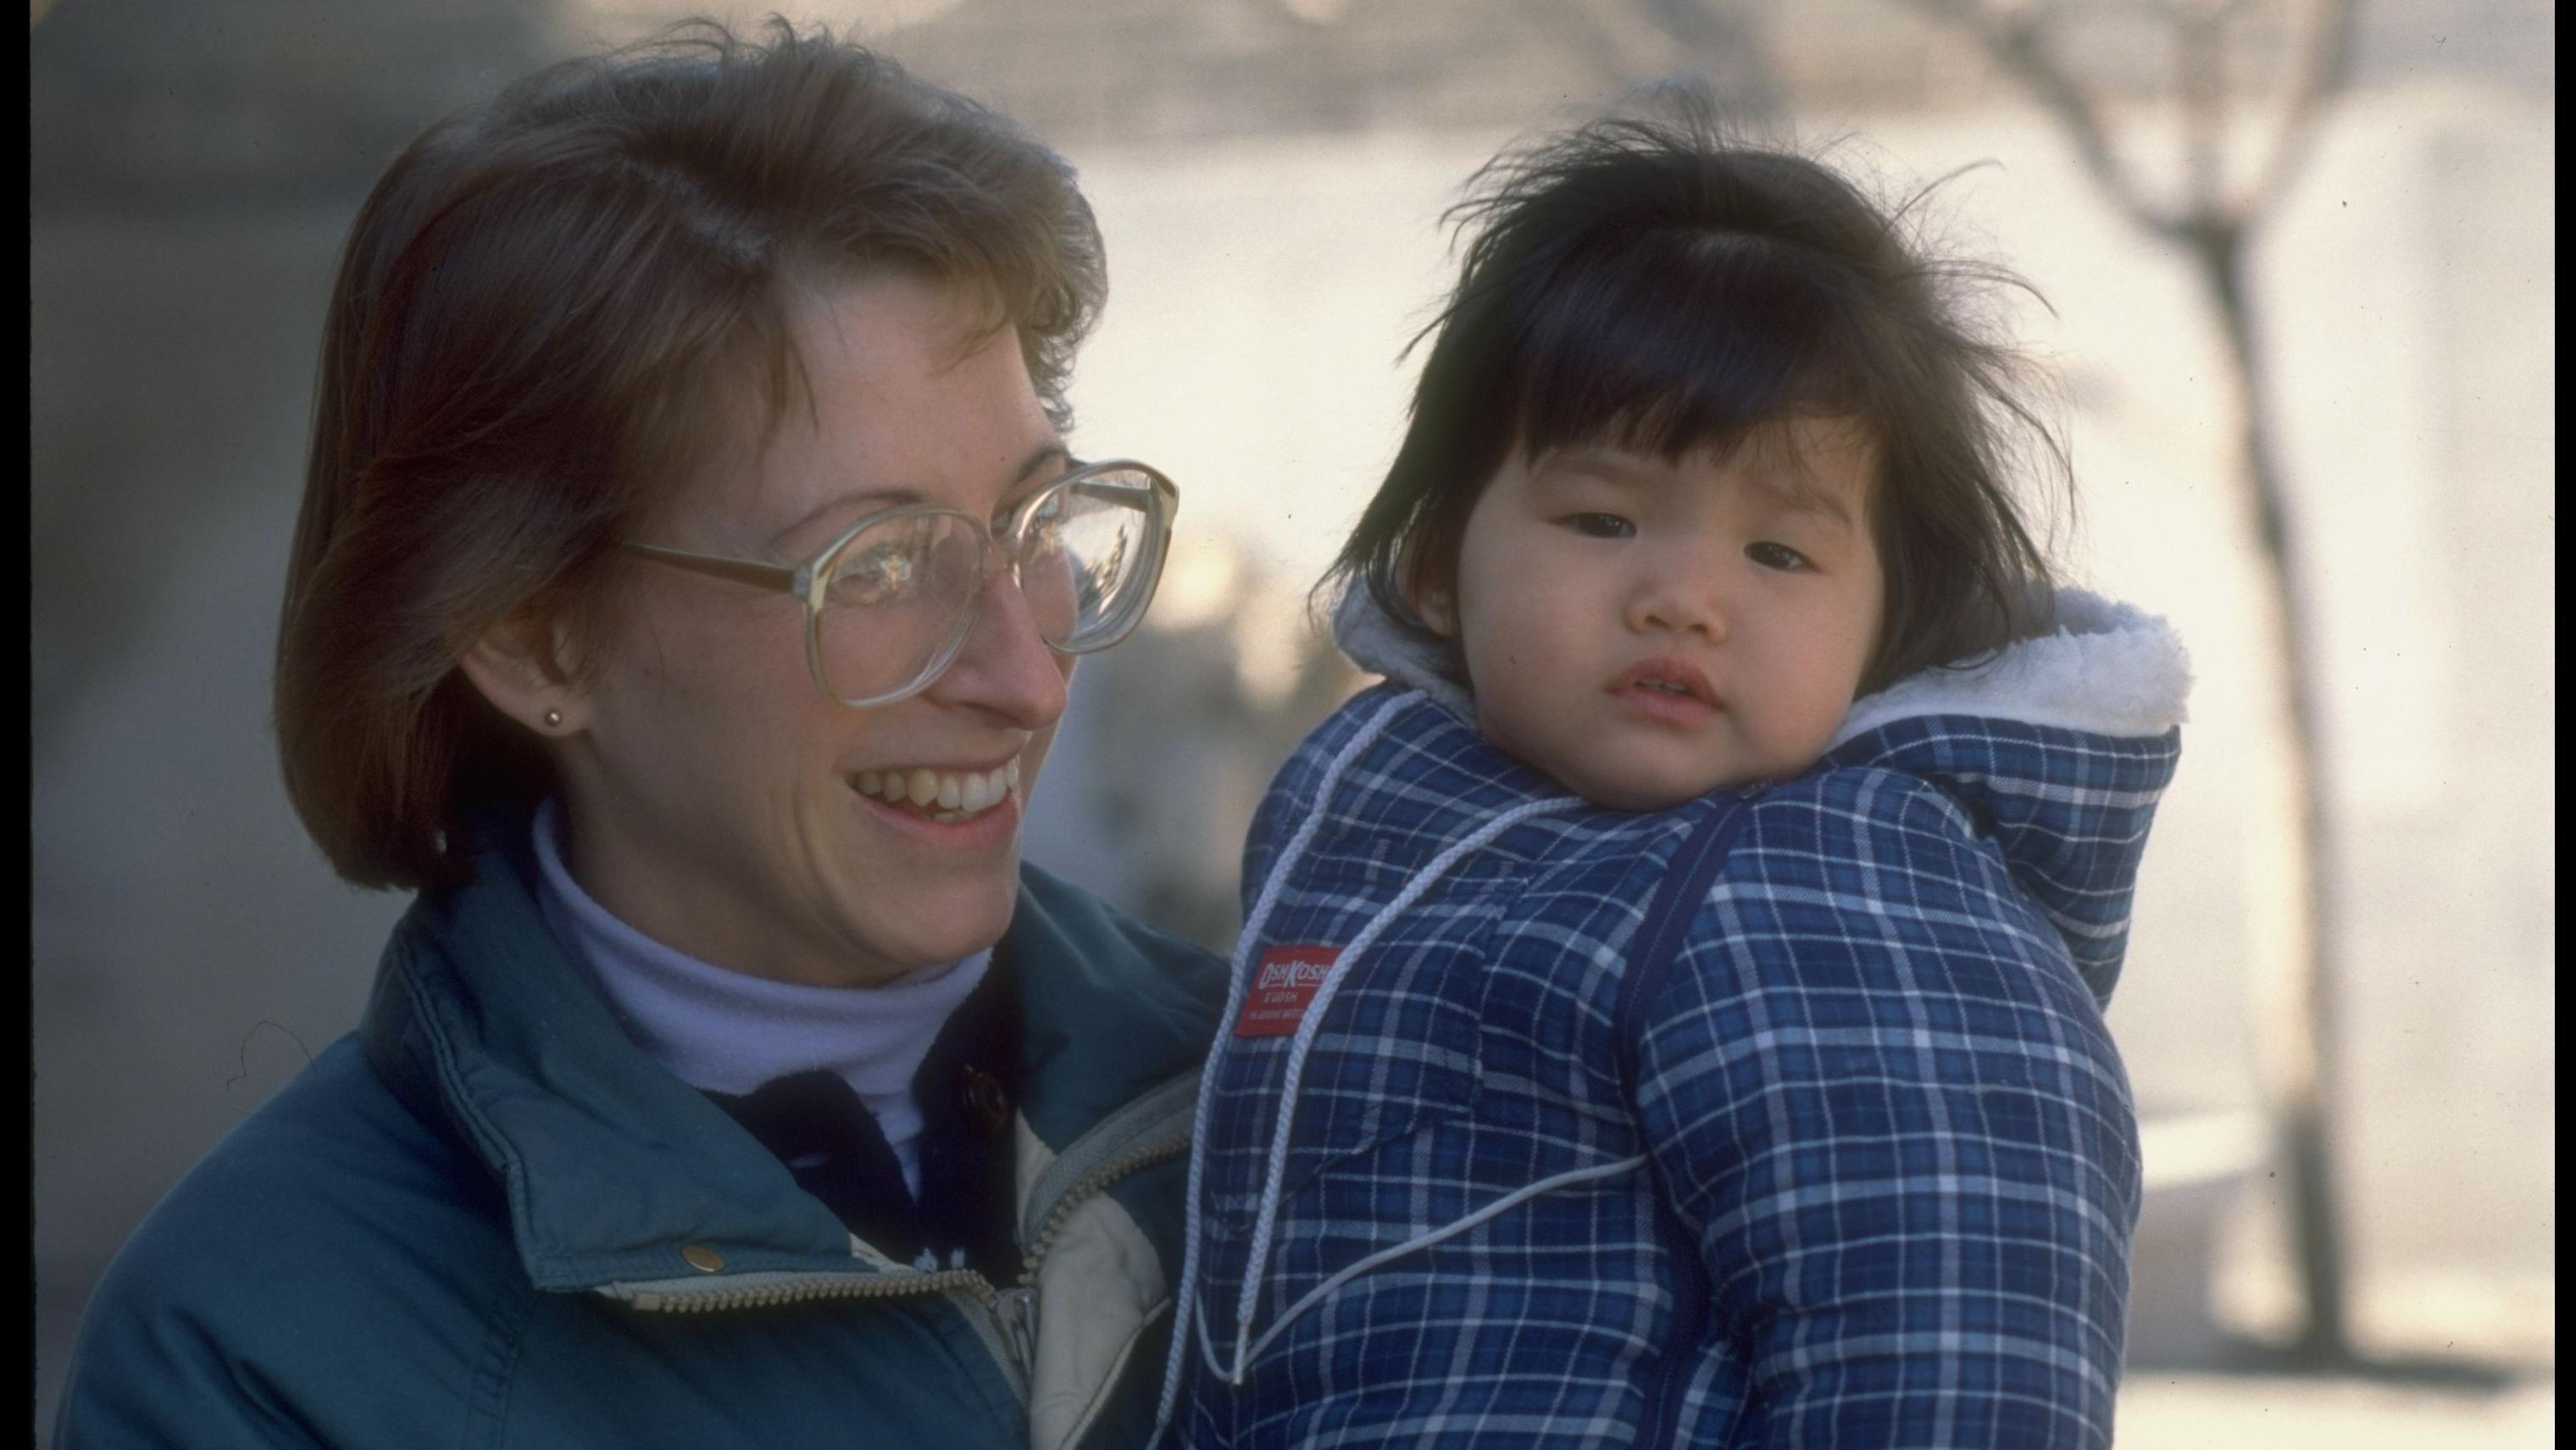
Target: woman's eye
1601	526
872	575
1776	556
1043	529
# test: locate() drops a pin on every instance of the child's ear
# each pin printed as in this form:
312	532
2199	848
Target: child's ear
1433	605
523	665
1433	599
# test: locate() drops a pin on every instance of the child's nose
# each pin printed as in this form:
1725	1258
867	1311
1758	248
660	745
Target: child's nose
1681	596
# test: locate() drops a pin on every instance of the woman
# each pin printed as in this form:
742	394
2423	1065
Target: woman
685	596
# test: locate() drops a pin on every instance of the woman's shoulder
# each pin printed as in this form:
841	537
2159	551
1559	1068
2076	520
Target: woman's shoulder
334	1162
328	1237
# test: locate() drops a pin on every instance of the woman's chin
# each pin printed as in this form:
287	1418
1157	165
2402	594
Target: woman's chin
954	940
919	919
915	891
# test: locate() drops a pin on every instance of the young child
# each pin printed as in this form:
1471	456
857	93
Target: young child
1669	1008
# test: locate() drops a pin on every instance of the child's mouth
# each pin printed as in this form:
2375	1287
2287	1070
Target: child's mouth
1668	680
1664	706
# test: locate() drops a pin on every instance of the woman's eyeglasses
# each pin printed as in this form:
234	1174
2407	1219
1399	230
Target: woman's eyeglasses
889	603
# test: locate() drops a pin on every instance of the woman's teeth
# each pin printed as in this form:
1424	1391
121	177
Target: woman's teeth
941	795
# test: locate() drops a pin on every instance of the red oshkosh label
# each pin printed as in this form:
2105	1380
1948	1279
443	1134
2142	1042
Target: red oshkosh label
1282	984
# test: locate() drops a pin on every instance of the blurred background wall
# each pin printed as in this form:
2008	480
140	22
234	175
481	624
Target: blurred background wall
1270	175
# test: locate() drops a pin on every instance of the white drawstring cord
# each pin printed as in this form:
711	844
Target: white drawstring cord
1517	1196
1267	1219
1185	1301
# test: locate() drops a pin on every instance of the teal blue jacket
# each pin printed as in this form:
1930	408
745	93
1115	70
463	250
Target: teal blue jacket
486	1218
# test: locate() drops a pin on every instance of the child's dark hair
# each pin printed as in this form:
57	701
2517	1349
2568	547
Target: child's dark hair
1645	281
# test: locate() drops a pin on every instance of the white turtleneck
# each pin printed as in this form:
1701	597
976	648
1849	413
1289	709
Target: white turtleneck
725	1031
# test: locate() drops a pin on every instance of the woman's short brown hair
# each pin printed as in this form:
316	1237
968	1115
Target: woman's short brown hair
547	315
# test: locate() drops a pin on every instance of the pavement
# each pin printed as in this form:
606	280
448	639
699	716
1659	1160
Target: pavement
2179	1410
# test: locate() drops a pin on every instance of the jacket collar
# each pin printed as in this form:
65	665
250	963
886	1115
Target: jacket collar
487	1026
2057	748
1110	1009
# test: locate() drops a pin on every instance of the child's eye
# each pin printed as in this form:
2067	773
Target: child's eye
1776	556
1601	526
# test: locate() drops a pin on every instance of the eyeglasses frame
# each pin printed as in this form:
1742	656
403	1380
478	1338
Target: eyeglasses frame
808	580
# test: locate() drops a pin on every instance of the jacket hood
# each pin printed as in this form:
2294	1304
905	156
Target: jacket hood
2057	748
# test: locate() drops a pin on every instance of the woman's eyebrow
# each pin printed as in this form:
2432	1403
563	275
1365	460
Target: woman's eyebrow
896	496
1051	459
881	498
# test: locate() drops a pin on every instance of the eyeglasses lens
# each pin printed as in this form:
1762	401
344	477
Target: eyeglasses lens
897	604
1087	556
901	594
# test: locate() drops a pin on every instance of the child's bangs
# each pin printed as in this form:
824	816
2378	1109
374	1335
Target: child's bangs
1680	343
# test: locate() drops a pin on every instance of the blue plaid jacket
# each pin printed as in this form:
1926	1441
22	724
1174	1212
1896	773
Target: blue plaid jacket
1853	1163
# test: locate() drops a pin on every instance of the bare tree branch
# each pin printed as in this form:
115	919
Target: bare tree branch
2016	43
1724	38
1319	15
1619	45
2329	64
2200	86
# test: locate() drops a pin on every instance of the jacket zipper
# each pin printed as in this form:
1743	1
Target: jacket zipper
1009	1321
1091	1186
754	1291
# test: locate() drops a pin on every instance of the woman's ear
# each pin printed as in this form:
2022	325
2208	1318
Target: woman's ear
523	665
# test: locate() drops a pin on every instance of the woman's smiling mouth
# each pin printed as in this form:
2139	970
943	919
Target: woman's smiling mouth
945	796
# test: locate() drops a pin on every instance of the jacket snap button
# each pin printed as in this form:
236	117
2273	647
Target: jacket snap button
703	1259
988	1108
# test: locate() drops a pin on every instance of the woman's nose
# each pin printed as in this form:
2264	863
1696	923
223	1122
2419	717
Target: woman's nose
1005	667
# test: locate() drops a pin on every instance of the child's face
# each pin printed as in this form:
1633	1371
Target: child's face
1646	631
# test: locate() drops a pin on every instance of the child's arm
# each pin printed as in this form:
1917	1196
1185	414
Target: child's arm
1889	1112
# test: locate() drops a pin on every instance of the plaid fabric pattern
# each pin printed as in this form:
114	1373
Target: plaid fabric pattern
1890	1160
